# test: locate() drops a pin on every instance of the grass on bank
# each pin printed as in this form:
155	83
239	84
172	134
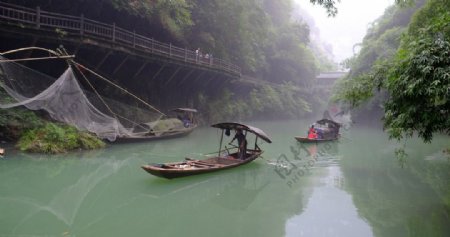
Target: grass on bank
57	138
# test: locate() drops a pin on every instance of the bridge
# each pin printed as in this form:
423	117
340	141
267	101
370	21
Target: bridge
326	80
122	55
87	31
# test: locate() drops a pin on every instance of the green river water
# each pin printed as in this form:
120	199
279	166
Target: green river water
354	187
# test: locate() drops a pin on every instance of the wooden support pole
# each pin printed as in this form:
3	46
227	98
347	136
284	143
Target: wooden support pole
220	146
114	32
140	69
38	17
120	65
159	71
151	49
194	81
103	60
82	25
208	80
186	76
173	75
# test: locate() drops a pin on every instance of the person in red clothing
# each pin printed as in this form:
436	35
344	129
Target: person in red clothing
311	129
312	134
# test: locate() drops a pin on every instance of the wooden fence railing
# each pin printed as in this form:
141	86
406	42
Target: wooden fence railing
39	19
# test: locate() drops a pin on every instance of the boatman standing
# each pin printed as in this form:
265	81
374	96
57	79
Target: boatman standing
242	143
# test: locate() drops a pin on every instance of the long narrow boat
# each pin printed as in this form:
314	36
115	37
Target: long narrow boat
215	163
328	129
186	124
166	135
309	140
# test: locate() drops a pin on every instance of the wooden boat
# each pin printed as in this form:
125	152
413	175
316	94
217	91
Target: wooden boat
328	129
215	163
185	115
165	135
309	140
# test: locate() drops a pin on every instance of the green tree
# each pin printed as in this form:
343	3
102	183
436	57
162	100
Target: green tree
174	16
232	30
419	79
416	77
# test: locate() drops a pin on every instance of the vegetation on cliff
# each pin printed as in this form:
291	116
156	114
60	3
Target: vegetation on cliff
263	102
261	36
264	38
406	75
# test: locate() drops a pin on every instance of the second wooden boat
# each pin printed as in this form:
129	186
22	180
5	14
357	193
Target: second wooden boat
309	140
327	130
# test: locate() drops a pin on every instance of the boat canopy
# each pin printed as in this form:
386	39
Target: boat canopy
323	121
258	132
184	110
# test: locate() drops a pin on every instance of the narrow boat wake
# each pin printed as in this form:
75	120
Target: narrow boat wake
322	161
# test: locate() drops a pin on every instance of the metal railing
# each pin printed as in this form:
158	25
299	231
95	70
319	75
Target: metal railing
38	19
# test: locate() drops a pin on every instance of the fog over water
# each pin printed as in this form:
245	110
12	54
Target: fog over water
349	26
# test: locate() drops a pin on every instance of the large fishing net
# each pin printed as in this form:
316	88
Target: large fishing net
66	101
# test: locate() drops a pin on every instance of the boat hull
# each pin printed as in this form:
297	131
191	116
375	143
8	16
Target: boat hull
195	167
177	134
309	140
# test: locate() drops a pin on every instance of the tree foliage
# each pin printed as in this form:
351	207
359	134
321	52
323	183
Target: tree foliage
174	16
419	79
258	35
261	36
233	30
263	102
329	5
416	75
359	87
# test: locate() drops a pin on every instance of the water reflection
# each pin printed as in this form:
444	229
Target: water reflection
409	200
303	158
233	189
329	212
247	184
